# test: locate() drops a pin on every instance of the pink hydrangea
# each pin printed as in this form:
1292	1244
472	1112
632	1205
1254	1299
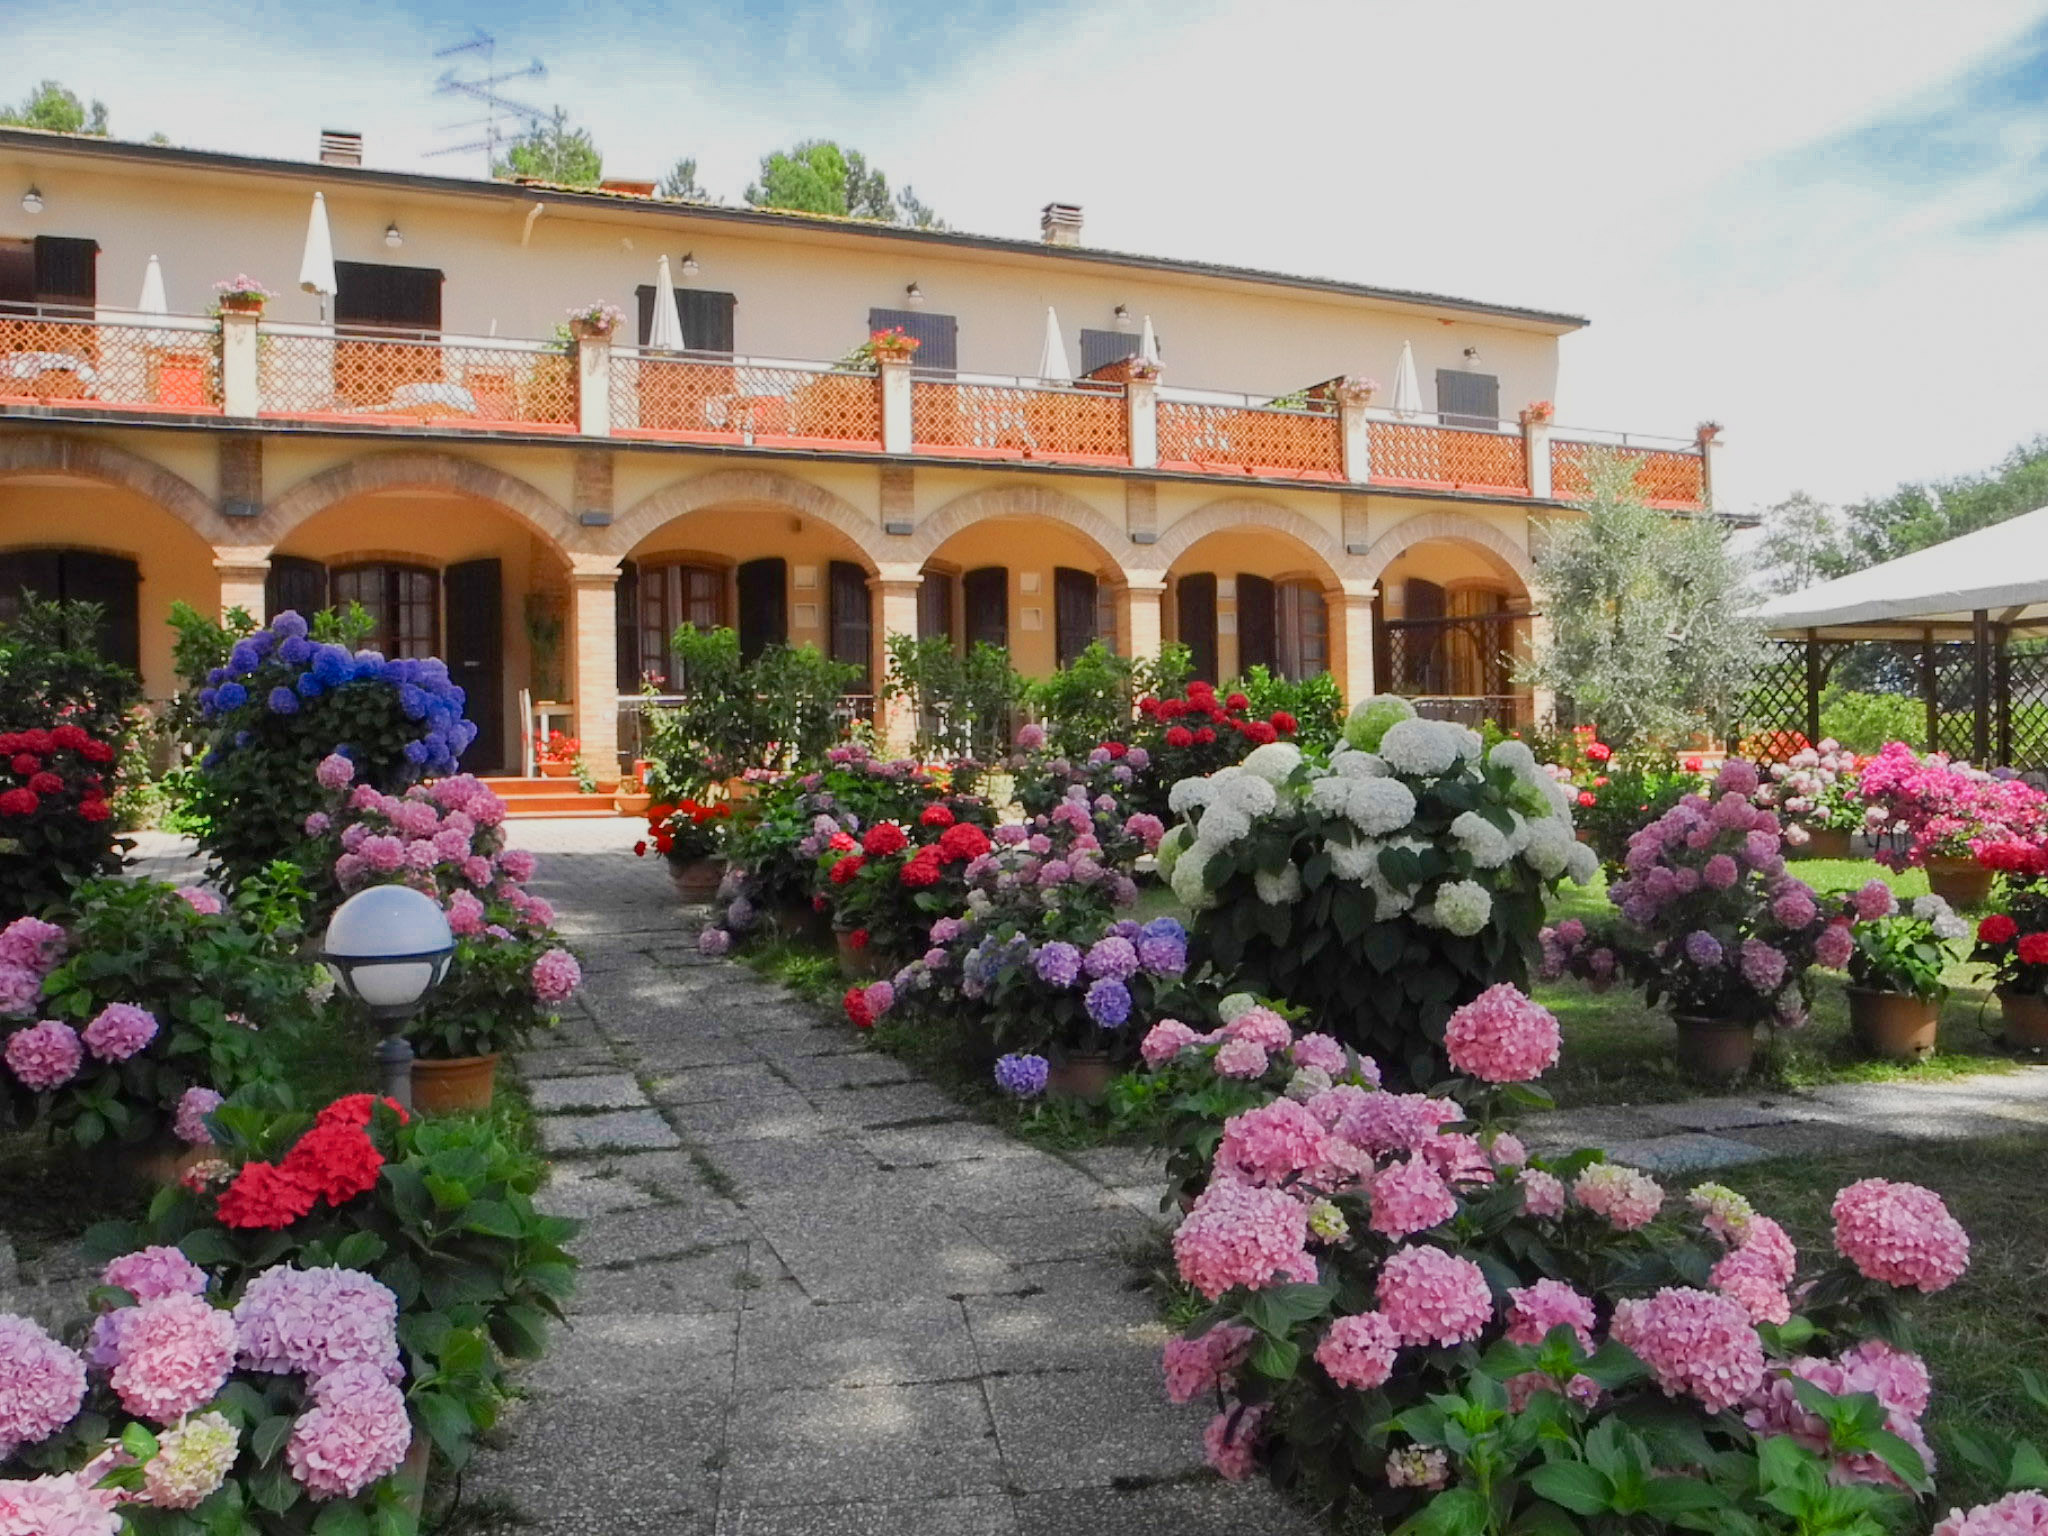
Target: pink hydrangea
204	902
41	1385
518	863
1242	1234
149	1274
335	771
20	990
1433	1297
1764	1237
1506	1150
1396	1122
45	1055
1897	1379
348	870
1501	1036
1749	1277
32	944
1542	1193
1359	1351
1720	872
1271	1144
1240	1058
383	853
476	869
194	1105
2017	1514
485	808
465	914
355	1432
176	1353
1626	1197
415	819
1695	1343
1164	1041
1331	1105
1533	1310
352	836
317	824
313	1321
191	1461
1263	1028
1409	1197
1324	1052
1900	1234
1231	1441
62	1504
555	976
119	1031
1833	946
1205	1363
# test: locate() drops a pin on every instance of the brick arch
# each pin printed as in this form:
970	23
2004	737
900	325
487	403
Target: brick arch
727	487
412	470
1457	527
47	453
1234	513
1022	501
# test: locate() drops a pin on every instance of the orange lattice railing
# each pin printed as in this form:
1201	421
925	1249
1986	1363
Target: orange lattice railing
149	363
307	371
1016	420
1411	453
1664	477
736	401
1251	440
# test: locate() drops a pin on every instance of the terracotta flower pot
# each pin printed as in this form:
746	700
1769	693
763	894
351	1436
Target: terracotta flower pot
242	304
556	770
696	880
858	964
453	1085
1083	1075
632	802
1824	843
163	1160
1715	1050
1962	883
800	920
1893	1026
2026	1020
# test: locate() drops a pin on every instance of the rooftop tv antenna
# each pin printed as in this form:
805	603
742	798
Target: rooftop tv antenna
504	117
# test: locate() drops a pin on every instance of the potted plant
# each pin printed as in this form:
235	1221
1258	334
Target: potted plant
500	988
1938	810
555	754
2013	940
632	797
241	295
594	320
1538	413
894	345
690	834
1895	969
1815	794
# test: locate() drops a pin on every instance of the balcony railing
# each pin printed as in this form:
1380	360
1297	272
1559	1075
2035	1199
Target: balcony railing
242	368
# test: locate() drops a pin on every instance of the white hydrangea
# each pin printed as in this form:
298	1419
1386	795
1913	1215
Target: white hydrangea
1482	841
1277	887
1186	794
1234	1005
1330	796
1550	847
1561	796
1941	917
1354	764
1422	747
1462	907
978	901
1171	846
323	985
1514	756
1186	879
1379	806
1221	825
1581	863
1471	745
1249	793
1274	761
1306	1083
1389	900
1518	833
1353	861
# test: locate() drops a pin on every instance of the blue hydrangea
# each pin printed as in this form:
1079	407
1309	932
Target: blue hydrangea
309	686
1058	963
1109	1003
216	677
296	651
290	626
1125	928
1164	928
333	665
433	673
231	696
1022	1076
368	666
416	753
244	659
1163	956
282	701
243	738
206	700
264	642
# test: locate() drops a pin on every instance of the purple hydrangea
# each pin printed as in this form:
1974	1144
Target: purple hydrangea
1162	955
1021	1075
1109	1003
1762	966
1114	958
1139	759
1703	949
1059	963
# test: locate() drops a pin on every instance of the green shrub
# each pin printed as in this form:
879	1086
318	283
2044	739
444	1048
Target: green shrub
964	704
1316	703
776	711
1864	722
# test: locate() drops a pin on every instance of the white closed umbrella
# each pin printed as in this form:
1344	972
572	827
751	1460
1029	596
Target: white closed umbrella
666	334
153	301
1148	344
1052	357
1407	392
316	267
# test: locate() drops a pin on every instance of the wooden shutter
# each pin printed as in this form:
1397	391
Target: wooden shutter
1101	348
852	631
476	656
1422	642
115	584
296	584
1074	618
935	606
985	600
1194	599
17	274
938	336
372	293
706	317
1303	624
1467	399
1105	614
626	608
67	271
29	573
1257	638
763	605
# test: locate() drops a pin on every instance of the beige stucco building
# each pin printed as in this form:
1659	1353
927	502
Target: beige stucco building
543	511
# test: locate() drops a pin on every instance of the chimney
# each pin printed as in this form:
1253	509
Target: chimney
1060	223
340	147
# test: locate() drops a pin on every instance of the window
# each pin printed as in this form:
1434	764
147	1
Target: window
764	606
1304	630
403	602
1101	348
852	634
50	271
1467	399
706	318
1076	618
295	584
373	295
80	575
1258	644
671	596
938	336
985	599
1194	599
935	606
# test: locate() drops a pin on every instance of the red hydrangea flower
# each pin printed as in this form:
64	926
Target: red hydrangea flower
1599	752
1204	736
858	938
1283	722
1997	929
26	763
336	1161
2034	949
846	868
19	802
1179	736
1586	797
69	737
883	839
1237	701
264	1197
97	752
964	841
1115	748
355	1109
46	783
1148	705
935	815
1262	732
858	1013
94	810
922	870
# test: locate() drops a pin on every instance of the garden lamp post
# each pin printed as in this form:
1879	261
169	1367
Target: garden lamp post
390	946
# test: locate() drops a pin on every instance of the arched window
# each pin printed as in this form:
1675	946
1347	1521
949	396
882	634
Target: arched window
80	575
1302	630
403	602
671	596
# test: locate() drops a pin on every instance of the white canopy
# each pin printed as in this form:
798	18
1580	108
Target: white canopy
665	334
1148	344
1052	357
2001	571
1407	392
153	301
316	268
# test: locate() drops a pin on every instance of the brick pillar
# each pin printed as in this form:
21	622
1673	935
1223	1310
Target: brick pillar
241	393
242	569
895	613
594	649
1137	619
1351	642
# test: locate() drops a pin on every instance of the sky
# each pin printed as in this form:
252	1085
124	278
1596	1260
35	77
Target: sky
1824	225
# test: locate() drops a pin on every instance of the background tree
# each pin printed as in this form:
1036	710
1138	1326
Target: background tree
553	151
1647	636
818	176
1802	544
681	183
51	106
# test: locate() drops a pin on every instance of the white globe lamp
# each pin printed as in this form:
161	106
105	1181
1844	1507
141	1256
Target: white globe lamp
389	946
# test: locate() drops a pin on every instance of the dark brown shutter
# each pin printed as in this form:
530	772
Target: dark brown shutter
476	656
1101	348
1257	639
1074	616
17	274
371	293
985	596
852	631
29	573
296	584
1194	599
706	317
626	601
935	606
764	605
1467	399
938	336
67	271
115	584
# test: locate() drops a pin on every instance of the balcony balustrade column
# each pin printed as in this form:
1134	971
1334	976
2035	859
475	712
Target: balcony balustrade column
1138	630
241	389
894	594
593	623
1350	615
1536	449
243	569
594	385
1357	441
895	387
1709	439
1141	399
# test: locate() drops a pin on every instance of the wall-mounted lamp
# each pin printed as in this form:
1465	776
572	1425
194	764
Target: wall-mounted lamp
914	295
32	201
392	237
1471	357
689	264
1123	317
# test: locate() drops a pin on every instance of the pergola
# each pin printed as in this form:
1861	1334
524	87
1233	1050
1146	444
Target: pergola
1954	610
